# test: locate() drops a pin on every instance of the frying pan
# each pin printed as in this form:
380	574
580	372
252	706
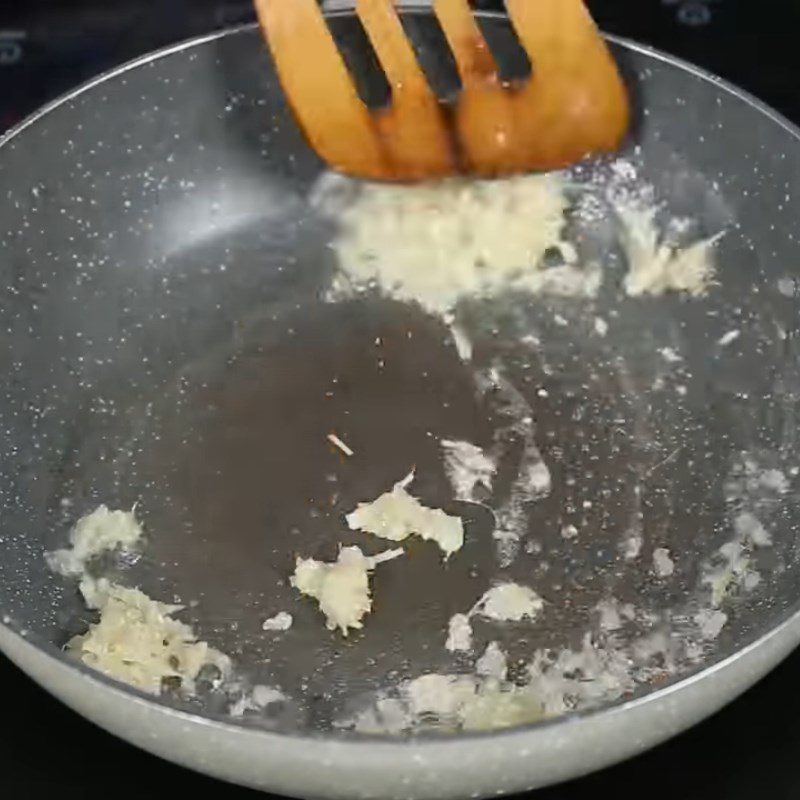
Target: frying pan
167	340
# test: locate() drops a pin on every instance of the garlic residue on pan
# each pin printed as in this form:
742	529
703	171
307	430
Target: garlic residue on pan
467	468
751	489
553	684
505	602
460	338
754	482
95	533
281	621
655	266
137	641
256	700
437	243
441	242
613	614
447	703
509	602
631	545
341	588
396	515
576	679
731	570
532	479
663	565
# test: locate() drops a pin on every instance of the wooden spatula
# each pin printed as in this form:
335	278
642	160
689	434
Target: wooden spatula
574	104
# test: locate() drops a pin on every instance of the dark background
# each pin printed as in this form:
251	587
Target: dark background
48	46
752	749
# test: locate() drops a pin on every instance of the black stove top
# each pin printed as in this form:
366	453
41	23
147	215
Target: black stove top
51	45
751	749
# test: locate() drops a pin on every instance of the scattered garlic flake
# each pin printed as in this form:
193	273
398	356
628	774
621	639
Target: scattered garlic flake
460	339
93	534
663	565
711	622
748	528
493	663
459	634
729	338
569	532
396	515
282	621
439	242
506	602
600	326
773	480
509	602
137	641
655	267
467	467
631	545
787	286
670	355
341	588
340	445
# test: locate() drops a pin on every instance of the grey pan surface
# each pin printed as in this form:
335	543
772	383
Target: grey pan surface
165	342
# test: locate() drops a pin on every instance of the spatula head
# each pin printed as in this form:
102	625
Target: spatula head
573	105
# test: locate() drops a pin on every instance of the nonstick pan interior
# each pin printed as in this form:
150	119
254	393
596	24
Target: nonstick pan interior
168	342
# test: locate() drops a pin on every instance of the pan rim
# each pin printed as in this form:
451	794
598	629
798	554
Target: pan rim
345	739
